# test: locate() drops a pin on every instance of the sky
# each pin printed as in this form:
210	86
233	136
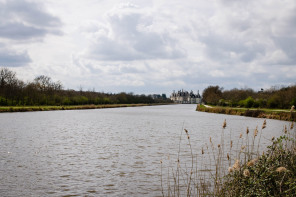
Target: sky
151	47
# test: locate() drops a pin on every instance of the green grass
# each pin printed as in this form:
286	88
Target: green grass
71	107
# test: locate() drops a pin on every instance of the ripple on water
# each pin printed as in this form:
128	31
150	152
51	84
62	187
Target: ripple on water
65	176
111	152
92	191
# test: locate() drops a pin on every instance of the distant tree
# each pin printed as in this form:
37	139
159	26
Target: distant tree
273	102
222	102
44	91
235	95
122	98
293	102
44	83
7	77
212	95
248	102
8	85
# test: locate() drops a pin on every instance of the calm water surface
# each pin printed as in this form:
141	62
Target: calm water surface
104	152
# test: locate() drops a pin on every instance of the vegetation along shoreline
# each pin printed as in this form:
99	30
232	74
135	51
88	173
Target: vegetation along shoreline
234	166
44	94
74	107
286	115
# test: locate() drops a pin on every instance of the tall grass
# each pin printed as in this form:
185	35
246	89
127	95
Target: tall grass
237	168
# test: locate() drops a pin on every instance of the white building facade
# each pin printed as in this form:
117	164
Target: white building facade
185	97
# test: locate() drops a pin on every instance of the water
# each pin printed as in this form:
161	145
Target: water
104	152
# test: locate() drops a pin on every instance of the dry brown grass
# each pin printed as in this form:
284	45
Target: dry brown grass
256	113
235	169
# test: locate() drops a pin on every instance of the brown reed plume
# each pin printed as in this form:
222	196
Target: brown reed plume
228	177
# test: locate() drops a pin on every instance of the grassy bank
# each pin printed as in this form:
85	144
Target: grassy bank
237	167
278	114
71	107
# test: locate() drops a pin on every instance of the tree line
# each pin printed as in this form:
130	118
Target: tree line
44	91
275	97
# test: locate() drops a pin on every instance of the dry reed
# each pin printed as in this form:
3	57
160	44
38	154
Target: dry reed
220	175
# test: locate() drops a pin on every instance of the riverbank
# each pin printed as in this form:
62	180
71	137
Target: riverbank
277	114
71	107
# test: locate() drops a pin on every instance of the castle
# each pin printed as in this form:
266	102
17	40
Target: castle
184	97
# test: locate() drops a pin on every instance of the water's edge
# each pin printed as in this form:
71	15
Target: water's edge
74	107
286	116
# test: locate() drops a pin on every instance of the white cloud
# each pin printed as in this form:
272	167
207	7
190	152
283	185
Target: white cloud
23	23
147	46
128	35
23	20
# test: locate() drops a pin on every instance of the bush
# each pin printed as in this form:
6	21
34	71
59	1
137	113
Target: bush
248	102
273	102
253	113
3	101
271	174
274	173
256	104
293	102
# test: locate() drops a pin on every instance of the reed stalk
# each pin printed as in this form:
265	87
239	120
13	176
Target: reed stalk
251	174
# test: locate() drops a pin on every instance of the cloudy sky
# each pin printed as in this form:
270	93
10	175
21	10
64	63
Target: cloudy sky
153	46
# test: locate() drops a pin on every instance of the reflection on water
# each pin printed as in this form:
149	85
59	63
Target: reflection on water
105	152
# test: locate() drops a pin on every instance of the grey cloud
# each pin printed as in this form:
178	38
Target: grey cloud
130	43
285	39
19	31
125	24
288	46
26	20
135	70
233	80
13	59
107	49
275	23
154	46
292	21
220	47
32	12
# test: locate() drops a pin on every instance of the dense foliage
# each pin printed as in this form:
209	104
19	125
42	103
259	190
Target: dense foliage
274	173
44	91
275	97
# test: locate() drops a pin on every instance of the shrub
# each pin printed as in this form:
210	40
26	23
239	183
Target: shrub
274	173
273	102
271	174
248	102
293	102
253	113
